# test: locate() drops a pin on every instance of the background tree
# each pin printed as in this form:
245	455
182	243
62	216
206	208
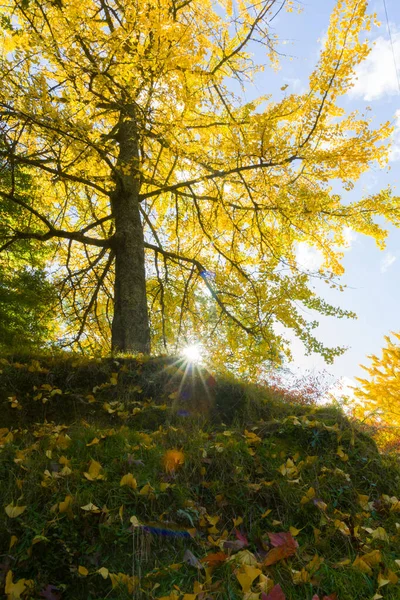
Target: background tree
178	208
27	297
379	395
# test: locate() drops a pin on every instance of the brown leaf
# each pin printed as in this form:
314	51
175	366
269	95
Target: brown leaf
275	594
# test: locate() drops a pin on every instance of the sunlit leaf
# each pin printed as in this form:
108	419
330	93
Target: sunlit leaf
103	572
129	481
94	471
14	511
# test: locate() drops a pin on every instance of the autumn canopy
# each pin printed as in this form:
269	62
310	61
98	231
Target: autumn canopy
174	210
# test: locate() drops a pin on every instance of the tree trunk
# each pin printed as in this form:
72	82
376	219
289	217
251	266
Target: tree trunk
130	326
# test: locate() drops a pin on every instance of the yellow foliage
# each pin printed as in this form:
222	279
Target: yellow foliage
379	396
235	187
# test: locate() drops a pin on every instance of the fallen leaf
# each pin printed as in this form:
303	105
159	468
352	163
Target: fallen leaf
275	594
129	481
103	571
91	508
215	559
93	442
135	522
13	541
65	504
284	546
83	571
380	534
308	496
14	511
172	460
93	473
14	591
247	576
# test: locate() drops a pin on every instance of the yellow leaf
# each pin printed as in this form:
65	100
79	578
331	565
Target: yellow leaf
165	486
245	557
103	572
343	528
238	521
129	481
83	571
309	496
146	490
14	591
344	562
380	534
14	511
93	442
363	501
382	580
362	566
172	460
65	504
266	513
65	471
294	531
247	576
300	577
341	454
94	471
373	558
13	541
392	577
91	508
135	522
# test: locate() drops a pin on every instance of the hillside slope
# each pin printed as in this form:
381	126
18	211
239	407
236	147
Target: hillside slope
135	479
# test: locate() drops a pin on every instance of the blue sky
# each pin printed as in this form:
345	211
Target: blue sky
372	275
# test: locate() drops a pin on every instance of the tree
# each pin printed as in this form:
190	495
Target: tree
27	297
380	394
177	208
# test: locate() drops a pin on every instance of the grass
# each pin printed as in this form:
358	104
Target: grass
244	465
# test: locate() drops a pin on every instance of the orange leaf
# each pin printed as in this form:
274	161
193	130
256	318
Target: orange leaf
173	459
285	546
215	559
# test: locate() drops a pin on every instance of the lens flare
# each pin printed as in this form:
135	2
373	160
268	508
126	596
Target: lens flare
192	353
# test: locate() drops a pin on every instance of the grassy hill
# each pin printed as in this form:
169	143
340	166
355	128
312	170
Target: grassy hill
135	478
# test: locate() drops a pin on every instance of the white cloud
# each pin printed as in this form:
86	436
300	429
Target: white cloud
350	236
387	261
394	153
376	76
308	258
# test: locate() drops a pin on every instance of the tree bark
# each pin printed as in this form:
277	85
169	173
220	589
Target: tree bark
130	326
